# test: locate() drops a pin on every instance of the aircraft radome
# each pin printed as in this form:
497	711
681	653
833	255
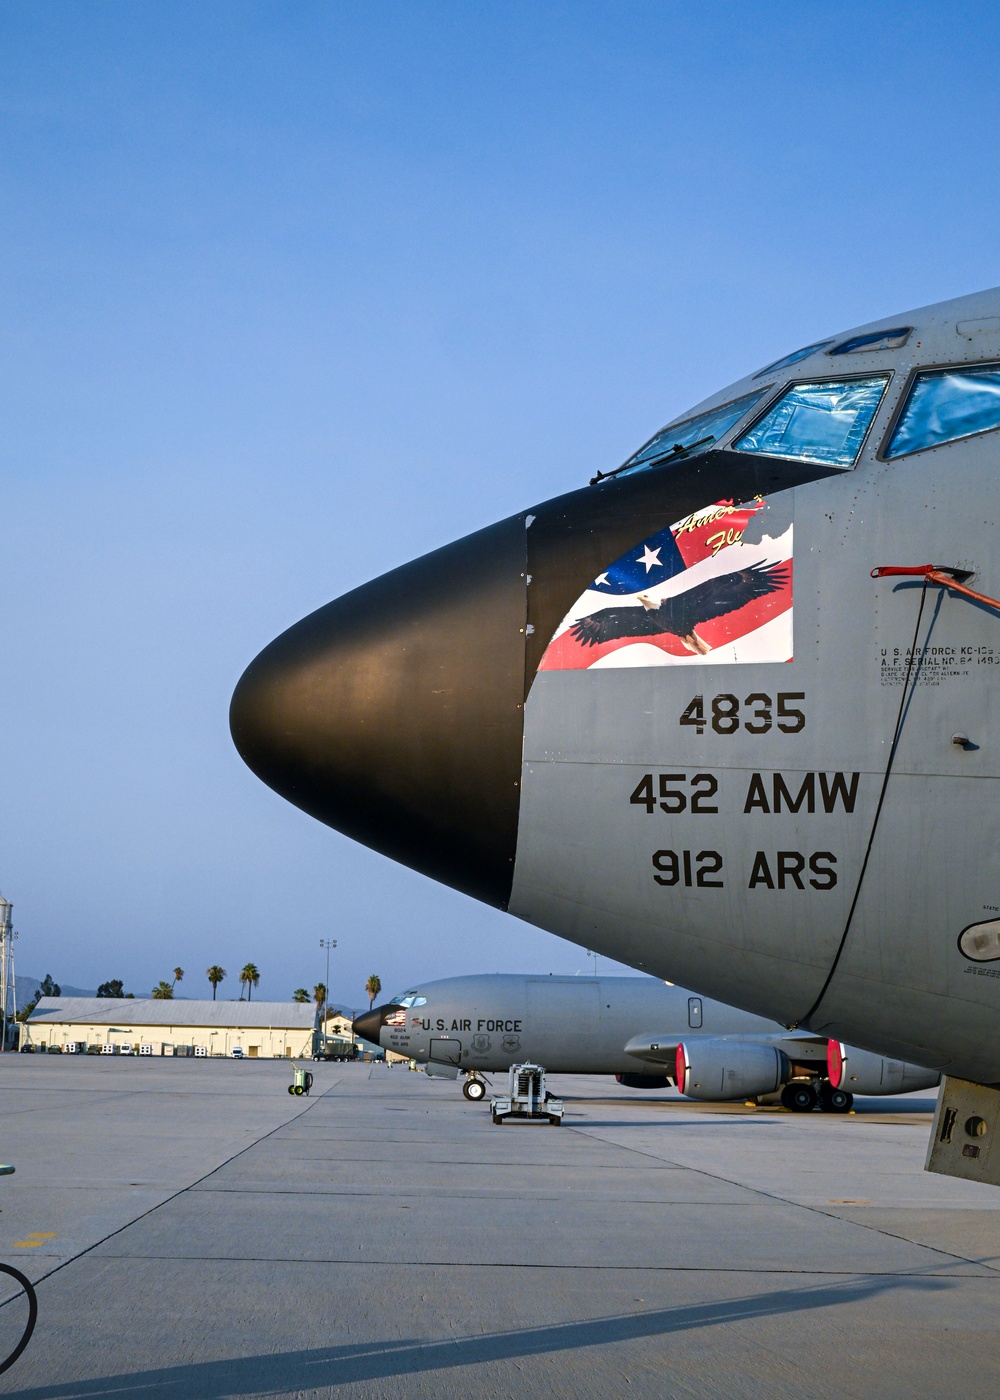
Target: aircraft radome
647	1033
684	716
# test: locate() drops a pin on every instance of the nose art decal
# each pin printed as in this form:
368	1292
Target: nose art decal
716	587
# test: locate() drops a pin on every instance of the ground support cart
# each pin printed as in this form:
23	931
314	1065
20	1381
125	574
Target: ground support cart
527	1097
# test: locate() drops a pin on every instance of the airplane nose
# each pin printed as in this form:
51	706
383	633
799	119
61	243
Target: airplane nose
394	714
369	1024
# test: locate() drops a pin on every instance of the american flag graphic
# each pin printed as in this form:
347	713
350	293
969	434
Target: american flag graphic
696	593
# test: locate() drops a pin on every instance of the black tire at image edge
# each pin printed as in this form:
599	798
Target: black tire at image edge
32	1314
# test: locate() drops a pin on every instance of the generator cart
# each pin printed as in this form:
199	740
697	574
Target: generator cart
527	1097
302	1080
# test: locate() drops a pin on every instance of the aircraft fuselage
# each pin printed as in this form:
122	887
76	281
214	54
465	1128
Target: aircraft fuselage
672	716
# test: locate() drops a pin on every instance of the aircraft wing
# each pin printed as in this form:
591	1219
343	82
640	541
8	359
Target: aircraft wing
661	1050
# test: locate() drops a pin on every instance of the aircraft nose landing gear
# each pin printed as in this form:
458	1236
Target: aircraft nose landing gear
474	1089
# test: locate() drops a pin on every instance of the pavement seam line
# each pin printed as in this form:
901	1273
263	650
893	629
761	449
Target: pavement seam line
574	1268
815	1210
174	1194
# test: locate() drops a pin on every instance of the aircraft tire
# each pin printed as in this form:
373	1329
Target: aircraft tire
474	1090
799	1097
29	1327
833	1100
291	1088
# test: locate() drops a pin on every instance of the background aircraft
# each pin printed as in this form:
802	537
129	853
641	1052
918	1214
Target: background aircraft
648	1033
687	716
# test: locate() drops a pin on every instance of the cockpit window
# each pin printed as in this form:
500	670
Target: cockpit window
945	404
793	358
407	999
690	436
824	422
874	340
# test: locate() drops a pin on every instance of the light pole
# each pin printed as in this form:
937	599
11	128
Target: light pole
8	994
593	955
327	943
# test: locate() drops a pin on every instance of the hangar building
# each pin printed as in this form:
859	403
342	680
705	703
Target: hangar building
261	1029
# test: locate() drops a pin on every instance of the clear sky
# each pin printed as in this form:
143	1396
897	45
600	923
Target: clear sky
293	292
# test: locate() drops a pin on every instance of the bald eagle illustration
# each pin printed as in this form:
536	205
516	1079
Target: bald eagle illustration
682	614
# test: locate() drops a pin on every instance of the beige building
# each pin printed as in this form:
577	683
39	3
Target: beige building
108	1025
340	1029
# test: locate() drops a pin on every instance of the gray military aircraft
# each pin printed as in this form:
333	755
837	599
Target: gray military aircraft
647	1033
724	714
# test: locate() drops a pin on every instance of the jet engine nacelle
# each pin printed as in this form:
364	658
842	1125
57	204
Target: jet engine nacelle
716	1068
643	1081
861	1072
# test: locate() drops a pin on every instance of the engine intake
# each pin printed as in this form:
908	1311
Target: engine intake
717	1069
861	1072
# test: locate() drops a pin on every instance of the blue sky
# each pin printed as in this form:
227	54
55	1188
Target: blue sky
292	293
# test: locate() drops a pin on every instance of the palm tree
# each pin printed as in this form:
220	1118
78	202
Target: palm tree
300	994
178	975
215	975
163	991
251	977
319	996
373	986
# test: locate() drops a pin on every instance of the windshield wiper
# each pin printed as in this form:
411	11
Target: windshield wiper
673	453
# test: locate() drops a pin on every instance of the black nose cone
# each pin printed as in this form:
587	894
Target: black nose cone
395	713
369	1024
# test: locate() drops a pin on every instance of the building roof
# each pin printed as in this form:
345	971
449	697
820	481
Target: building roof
127	1012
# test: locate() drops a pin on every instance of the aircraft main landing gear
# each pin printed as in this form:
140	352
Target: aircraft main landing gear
833	1100
474	1089
799	1096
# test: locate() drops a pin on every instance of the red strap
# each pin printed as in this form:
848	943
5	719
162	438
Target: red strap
920	570
934	573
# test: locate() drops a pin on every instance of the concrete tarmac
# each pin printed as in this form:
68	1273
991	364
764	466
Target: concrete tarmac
198	1233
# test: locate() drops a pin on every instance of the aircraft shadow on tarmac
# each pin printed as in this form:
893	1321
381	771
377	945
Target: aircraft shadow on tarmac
277	1373
886	1107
